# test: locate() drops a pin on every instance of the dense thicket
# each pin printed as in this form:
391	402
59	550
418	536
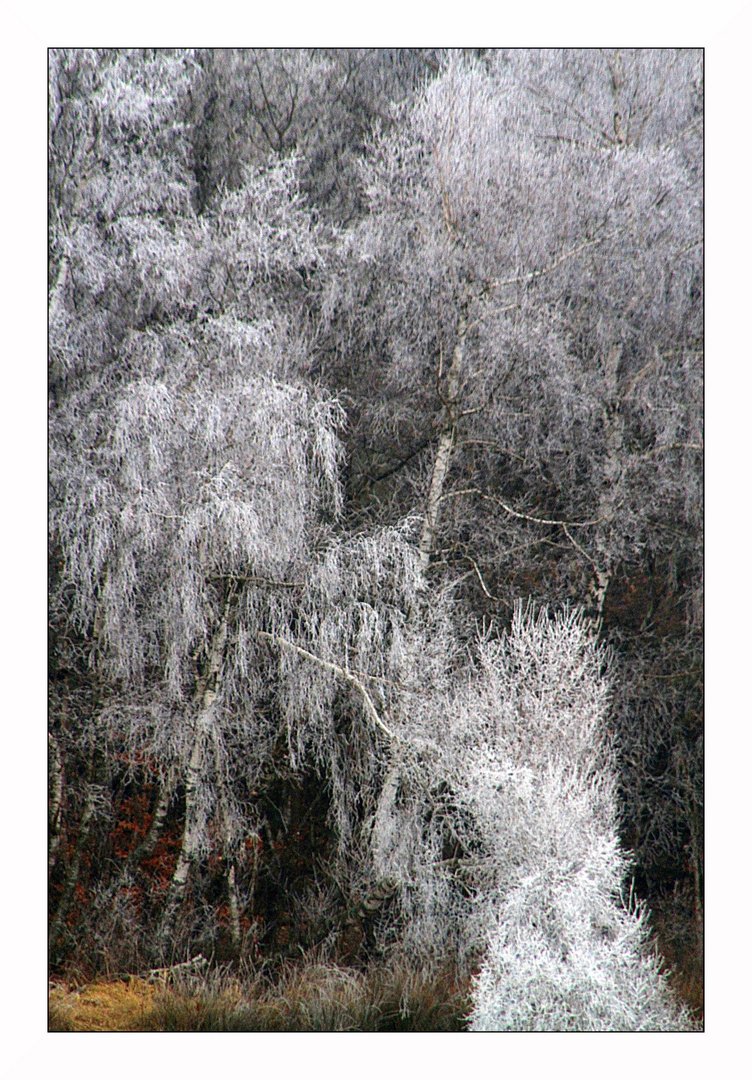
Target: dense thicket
350	351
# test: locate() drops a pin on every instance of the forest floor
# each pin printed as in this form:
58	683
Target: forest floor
311	998
306	997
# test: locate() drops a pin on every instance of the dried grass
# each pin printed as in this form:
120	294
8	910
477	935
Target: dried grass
102	1006
306	997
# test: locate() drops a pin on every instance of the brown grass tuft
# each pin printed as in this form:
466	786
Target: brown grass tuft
102	1006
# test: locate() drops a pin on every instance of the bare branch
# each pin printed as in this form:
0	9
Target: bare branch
341	672
534	274
516	513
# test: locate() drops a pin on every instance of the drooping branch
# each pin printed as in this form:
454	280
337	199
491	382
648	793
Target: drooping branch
340	672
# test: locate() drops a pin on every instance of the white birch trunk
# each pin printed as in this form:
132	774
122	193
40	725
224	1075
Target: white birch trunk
56	798
194	829
384	836
385	825
613	422
445	448
195	817
228	853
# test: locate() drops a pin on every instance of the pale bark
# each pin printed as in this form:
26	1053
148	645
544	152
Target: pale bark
56	798
228	853
232	896
341	672
195	822
445	448
195	816
613	423
385	825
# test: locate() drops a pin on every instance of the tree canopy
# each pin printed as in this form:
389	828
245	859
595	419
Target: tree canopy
376	512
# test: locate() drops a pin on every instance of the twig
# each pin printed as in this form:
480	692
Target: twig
581	550
534	274
259	581
495	599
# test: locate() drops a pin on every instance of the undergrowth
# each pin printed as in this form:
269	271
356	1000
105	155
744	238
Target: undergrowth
306	997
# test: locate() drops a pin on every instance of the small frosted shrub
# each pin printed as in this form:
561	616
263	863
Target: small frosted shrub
563	951
504	840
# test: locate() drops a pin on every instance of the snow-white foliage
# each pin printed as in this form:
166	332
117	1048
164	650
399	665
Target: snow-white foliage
190	467
195	476
505	840
201	570
563	956
362	607
506	194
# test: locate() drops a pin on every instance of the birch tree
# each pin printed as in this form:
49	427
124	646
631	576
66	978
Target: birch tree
525	302
500	263
196	489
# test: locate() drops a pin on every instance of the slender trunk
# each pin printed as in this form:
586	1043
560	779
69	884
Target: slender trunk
227	840
386	826
56	798
195	818
613	424
73	871
149	842
195	813
232	897
445	448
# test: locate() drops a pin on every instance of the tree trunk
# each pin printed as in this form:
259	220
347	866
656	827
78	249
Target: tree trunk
613	423
56	798
149	842
195	817
73	872
232	897
228	852
386	825
194	829
445	448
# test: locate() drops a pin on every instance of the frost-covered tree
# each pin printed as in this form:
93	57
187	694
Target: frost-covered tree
527	291
200	588
319	105
504	840
524	299
565	951
230	614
